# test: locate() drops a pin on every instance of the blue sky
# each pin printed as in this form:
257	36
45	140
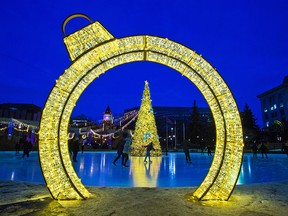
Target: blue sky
245	40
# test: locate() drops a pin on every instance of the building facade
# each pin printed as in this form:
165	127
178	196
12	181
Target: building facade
18	121
80	121
274	104
173	123
107	119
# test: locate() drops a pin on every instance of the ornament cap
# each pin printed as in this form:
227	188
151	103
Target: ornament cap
86	38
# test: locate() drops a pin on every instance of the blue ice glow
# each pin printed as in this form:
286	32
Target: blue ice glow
96	169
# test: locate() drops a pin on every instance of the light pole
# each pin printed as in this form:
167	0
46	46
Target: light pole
172	137
166	133
175	139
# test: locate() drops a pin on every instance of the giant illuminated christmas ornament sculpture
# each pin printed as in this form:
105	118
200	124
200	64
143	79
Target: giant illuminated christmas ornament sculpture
93	51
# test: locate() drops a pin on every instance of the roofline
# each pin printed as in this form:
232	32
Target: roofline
277	88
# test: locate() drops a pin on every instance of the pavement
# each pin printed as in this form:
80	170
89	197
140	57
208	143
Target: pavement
18	198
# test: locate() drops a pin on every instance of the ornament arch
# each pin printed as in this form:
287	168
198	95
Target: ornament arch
93	51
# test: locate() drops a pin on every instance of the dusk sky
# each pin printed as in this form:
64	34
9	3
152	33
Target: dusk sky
246	41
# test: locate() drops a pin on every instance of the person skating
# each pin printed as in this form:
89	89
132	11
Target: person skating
209	150
186	152
149	147
27	146
126	150
75	148
120	147
263	149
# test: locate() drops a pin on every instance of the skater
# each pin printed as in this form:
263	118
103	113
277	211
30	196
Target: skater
209	150
255	149
126	150
75	148
186	152
17	147
285	148
120	147
149	147
84	141
26	148
263	149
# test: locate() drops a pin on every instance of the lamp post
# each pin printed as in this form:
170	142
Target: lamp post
166	133
171	137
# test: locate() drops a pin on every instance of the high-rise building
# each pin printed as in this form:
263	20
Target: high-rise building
274	103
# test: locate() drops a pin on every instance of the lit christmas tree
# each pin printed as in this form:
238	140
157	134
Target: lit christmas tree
145	129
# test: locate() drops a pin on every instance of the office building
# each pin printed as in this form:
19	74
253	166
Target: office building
274	104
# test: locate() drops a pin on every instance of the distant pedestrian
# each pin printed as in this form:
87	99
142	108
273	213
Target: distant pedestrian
186	152
27	146
84	141
209	150
17	146
202	148
149	147
75	148
120	147
109	142
126	150
70	146
285	148
255	149
263	149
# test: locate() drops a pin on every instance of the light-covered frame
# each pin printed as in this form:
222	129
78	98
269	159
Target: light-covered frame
93	51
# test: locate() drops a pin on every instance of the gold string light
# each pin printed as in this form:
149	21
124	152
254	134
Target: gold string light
22	130
4	128
94	51
17	123
96	135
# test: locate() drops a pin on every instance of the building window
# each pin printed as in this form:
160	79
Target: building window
271	108
265	110
275	106
281	104
267	124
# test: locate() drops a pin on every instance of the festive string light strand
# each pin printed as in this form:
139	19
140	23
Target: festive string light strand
4	128
117	131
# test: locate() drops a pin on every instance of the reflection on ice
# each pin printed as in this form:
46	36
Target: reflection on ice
96	169
145	174
172	167
12	176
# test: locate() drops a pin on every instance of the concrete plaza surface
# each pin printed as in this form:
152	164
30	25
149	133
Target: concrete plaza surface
18	198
